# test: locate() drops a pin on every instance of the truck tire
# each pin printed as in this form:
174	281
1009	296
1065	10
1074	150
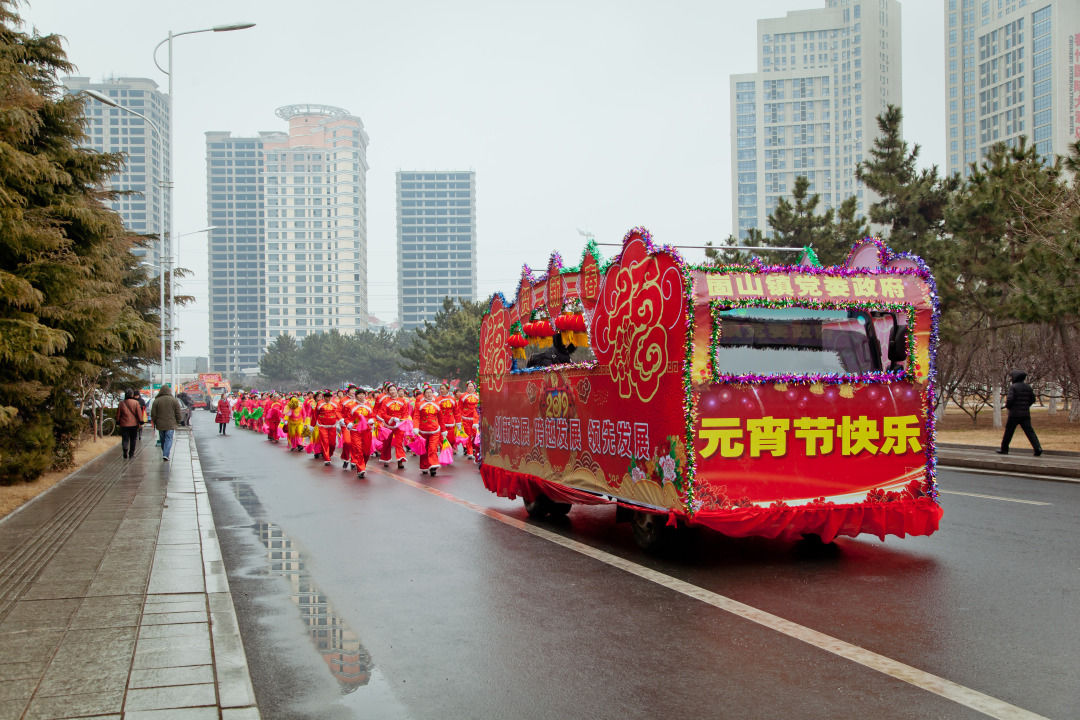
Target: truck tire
650	531
557	509
538	507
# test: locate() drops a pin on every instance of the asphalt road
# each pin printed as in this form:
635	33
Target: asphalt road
378	598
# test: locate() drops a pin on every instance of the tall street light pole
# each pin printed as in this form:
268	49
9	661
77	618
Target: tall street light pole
169	184
106	100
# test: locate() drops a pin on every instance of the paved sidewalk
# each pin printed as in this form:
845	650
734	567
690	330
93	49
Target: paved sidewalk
114	601
1057	464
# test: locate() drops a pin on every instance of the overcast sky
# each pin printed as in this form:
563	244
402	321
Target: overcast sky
589	114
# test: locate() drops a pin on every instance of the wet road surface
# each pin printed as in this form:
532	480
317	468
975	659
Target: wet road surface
377	598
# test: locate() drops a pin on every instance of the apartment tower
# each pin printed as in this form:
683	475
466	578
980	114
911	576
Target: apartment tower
289	252
236	267
436	231
112	130
1012	69
823	76
316	223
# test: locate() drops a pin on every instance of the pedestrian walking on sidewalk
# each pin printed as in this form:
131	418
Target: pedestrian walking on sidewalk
1018	402
128	419
166	416
224	413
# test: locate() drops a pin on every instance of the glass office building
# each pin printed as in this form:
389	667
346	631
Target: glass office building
436	232
823	77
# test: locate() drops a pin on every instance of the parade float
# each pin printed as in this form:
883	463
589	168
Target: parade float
755	400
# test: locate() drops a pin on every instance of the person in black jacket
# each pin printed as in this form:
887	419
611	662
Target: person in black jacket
558	354
1018	401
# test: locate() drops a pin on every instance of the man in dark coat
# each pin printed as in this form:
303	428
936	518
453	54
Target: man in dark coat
166	416
1018	402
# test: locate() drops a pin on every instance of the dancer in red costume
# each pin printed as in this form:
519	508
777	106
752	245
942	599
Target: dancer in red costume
470	416
427	417
449	413
326	418
273	417
394	412
360	434
345	408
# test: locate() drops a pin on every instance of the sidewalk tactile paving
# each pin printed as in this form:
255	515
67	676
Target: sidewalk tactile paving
104	603
163	677
173	696
203	713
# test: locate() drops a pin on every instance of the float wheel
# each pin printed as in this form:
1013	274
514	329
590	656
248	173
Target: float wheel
649	529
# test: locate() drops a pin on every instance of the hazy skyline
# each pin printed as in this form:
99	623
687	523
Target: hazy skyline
592	115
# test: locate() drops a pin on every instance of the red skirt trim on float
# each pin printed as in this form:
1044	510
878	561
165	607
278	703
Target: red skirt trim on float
914	516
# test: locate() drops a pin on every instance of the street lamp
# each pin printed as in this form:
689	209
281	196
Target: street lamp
169	73
106	100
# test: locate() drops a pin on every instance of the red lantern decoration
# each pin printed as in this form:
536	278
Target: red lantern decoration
517	343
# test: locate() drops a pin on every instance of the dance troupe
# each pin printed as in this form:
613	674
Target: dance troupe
364	423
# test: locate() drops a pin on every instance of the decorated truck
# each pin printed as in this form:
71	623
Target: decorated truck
756	400
211	386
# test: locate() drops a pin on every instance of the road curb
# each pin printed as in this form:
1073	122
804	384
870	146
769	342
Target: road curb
236	695
1055	464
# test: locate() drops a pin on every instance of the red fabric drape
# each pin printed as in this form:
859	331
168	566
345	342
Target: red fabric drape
918	516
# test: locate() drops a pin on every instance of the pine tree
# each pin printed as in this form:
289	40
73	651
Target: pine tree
448	346
848	229
798	223
281	362
69	315
831	233
913	201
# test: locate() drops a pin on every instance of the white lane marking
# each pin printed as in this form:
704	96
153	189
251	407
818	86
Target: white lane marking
947	689
1009	473
993	497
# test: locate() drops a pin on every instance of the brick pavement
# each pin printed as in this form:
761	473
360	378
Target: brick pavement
114	601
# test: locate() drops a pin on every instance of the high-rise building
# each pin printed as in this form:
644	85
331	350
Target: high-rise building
316	223
436	232
235	202
823	77
110	129
1012	69
288	254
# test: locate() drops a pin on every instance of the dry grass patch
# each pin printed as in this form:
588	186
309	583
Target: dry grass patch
13	496
1055	431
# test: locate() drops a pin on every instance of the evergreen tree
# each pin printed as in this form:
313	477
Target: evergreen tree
983	256
913	201
68	312
726	254
377	356
800	224
848	229
831	233
448	347
281	362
